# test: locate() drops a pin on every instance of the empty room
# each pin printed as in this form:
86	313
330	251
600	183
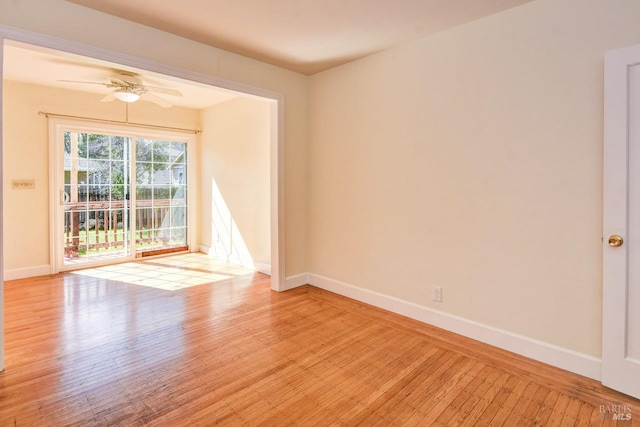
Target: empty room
415	212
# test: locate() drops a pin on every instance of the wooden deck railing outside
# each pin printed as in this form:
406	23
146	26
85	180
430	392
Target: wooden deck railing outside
99	224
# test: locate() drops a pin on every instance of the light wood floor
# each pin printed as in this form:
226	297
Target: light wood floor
112	348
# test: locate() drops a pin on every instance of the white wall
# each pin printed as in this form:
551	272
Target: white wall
59	18
472	160
26	156
234	165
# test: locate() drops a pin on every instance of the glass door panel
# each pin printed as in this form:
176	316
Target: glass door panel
161	195
95	199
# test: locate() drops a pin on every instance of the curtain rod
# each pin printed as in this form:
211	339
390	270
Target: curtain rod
118	122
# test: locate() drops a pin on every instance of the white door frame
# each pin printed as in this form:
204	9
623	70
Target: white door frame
276	138
57	126
617	368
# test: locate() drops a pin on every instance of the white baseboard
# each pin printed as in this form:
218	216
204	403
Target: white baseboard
245	262
263	268
23	273
550	354
295	281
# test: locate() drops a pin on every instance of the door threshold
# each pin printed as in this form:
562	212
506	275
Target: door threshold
163	251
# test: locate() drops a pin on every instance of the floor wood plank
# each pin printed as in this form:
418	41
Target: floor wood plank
93	348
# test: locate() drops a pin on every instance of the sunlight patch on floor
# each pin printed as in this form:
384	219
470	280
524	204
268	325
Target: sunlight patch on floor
170	273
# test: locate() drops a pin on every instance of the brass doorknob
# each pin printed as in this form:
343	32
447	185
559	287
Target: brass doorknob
615	241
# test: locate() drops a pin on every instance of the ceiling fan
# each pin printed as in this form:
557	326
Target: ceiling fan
128	87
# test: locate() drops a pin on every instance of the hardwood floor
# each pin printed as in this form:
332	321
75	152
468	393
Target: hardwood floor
196	343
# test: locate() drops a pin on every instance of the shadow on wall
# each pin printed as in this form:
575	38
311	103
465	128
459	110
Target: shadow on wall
227	243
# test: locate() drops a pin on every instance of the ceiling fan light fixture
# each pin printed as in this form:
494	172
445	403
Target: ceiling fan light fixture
126	96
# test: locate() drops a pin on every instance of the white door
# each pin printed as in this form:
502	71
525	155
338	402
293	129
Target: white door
621	228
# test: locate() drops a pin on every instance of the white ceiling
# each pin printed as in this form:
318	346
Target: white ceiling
30	64
306	36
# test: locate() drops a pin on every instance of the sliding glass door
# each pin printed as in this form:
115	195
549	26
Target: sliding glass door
96	206
123	195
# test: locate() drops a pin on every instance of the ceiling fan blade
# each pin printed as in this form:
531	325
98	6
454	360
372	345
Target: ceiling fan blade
156	100
88	83
110	97
163	90
119	82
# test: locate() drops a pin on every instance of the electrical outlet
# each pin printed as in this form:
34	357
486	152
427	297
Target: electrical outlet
436	294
